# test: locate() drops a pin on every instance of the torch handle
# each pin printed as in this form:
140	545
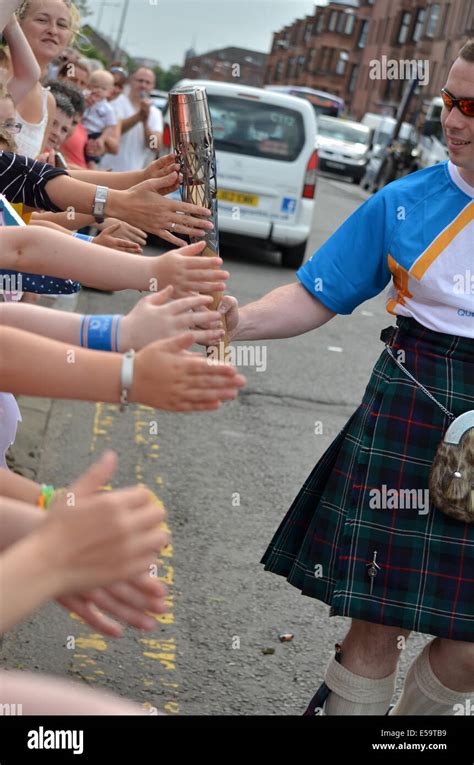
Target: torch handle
208	252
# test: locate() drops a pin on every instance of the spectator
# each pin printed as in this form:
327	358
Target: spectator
77	72
49	28
120	79
74	147
99	118
62	123
141	124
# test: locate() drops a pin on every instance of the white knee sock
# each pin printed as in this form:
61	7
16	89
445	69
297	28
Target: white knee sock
424	694
355	695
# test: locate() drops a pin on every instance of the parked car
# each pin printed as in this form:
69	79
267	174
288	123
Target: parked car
266	164
343	146
322	102
159	99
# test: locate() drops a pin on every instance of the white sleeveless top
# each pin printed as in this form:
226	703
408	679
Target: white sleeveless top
9	418
30	140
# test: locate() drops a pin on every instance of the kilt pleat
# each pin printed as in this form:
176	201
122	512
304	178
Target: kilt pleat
327	539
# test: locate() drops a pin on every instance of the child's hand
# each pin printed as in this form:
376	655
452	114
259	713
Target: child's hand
131	602
188	273
166	377
126	231
108	238
156	317
105	537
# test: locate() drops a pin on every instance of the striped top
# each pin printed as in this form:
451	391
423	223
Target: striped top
24	180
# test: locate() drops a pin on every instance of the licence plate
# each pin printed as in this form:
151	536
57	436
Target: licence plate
337	165
237	198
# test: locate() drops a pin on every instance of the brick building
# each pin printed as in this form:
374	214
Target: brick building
223	65
332	49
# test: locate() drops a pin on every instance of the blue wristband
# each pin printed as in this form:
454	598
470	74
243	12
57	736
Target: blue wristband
101	331
84	237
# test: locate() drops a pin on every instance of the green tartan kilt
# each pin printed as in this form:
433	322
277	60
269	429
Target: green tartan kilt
328	537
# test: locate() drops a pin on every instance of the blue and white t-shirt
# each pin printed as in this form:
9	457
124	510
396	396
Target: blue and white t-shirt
417	231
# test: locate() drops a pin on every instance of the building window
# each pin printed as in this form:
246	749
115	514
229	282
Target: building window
342	62
320	23
310	61
350	23
300	66
332	21
364	31
341	23
353	78
308	32
419	24
279	71
433	21
404	27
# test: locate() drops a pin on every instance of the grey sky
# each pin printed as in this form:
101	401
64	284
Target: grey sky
165	29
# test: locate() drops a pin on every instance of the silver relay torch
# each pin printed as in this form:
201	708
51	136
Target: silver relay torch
191	130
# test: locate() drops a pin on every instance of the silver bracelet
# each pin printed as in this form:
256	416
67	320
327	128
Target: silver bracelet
126	378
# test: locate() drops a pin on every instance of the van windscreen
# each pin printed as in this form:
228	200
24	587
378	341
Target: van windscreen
258	129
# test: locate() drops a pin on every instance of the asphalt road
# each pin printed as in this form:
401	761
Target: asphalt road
226	480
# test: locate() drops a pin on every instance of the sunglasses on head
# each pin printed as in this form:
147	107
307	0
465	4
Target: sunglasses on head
465	105
13	127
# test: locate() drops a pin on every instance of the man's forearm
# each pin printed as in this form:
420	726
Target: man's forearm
130	122
287	311
50	252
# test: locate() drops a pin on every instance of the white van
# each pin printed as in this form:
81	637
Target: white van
266	164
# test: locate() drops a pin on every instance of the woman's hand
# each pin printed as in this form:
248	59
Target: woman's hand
157	317
147	208
166	377
161	167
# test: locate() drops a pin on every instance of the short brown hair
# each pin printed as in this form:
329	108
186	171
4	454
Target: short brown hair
467	51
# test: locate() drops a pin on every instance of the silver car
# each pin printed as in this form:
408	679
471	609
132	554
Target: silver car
343	146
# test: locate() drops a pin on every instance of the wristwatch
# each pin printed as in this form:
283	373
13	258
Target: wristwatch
100	200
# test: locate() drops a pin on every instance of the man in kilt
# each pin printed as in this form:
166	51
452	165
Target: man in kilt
391	568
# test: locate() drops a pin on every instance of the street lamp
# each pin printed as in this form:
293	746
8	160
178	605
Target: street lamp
121	27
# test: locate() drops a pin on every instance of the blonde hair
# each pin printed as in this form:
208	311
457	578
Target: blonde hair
7	142
74	16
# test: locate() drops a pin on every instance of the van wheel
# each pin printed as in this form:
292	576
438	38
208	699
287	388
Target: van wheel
292	257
